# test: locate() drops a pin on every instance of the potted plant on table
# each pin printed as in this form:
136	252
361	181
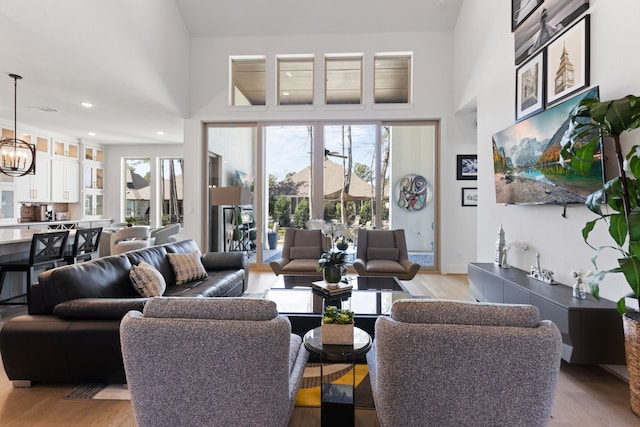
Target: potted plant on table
332	262
337	326
620	196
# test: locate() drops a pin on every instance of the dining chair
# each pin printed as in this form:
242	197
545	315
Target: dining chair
85	245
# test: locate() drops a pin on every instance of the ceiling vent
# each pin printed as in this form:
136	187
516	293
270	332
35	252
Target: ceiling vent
45	109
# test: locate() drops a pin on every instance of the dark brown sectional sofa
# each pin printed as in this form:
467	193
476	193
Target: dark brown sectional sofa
71	334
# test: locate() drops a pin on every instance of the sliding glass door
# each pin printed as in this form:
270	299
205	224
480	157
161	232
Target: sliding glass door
366	175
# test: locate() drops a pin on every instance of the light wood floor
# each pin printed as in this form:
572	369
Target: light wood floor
586	395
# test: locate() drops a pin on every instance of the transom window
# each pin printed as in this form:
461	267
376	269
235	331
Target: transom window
392	79
343	80
295	81
248	81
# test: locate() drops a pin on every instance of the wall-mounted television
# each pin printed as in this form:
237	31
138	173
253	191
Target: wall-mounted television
525	160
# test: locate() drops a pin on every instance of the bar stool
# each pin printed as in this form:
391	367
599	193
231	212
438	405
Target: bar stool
85	245
47	250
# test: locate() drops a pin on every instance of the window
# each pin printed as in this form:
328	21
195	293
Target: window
171	190
248	78
343	80
392	77
138	190
295	81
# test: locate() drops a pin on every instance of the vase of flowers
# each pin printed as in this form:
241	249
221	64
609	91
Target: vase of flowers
337	326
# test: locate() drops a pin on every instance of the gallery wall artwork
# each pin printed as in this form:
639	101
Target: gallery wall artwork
568	62
530	87
547	22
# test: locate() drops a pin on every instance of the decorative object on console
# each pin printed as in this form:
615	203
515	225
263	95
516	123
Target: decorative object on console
540	273
579	287
499	246
337	326
18	156
590	121
507	247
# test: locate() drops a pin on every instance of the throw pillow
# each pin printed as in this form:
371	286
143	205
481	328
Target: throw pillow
146	280
187	267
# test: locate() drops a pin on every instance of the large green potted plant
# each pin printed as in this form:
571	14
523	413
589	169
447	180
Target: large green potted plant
620	198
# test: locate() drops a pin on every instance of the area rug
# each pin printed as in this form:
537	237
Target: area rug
309	394
99	392
337	373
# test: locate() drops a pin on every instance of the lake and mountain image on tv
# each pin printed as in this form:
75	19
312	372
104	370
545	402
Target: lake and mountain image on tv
526	162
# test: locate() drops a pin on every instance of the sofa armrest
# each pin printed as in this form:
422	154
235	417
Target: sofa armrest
224	260
216	261
98	308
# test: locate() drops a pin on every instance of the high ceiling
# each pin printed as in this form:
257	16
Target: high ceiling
69	51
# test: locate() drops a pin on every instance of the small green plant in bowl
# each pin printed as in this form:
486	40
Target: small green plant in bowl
333	314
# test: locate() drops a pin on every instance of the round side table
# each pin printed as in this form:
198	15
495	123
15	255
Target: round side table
337	401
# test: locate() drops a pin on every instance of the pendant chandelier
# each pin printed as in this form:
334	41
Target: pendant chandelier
18	156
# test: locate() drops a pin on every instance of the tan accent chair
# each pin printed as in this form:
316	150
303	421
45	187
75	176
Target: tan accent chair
384	253
129	238
454	363
300	252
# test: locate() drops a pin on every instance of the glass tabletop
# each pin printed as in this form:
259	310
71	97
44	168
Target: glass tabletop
361	344
361	283
304	300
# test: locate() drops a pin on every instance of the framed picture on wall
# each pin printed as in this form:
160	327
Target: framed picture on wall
530	87
467	167
546	23
568	62
521	9
470	196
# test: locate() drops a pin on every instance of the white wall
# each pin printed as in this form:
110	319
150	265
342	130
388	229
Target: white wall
484	78
432	90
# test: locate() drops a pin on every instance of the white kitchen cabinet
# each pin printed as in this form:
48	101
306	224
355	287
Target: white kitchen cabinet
35	188
67	150
65	182
93	204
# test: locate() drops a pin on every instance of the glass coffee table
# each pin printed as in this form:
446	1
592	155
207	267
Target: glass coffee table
369	298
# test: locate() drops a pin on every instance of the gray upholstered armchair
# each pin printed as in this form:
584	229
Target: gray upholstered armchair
450	363
300	252
211	361
384	253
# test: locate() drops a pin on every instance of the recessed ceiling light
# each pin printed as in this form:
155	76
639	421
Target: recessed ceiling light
285	94
289	74
86	104
160	132
92	134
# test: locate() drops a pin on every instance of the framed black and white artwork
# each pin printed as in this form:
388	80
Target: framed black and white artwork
530	87
470	196
467	167
568	62
521	10
545	24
